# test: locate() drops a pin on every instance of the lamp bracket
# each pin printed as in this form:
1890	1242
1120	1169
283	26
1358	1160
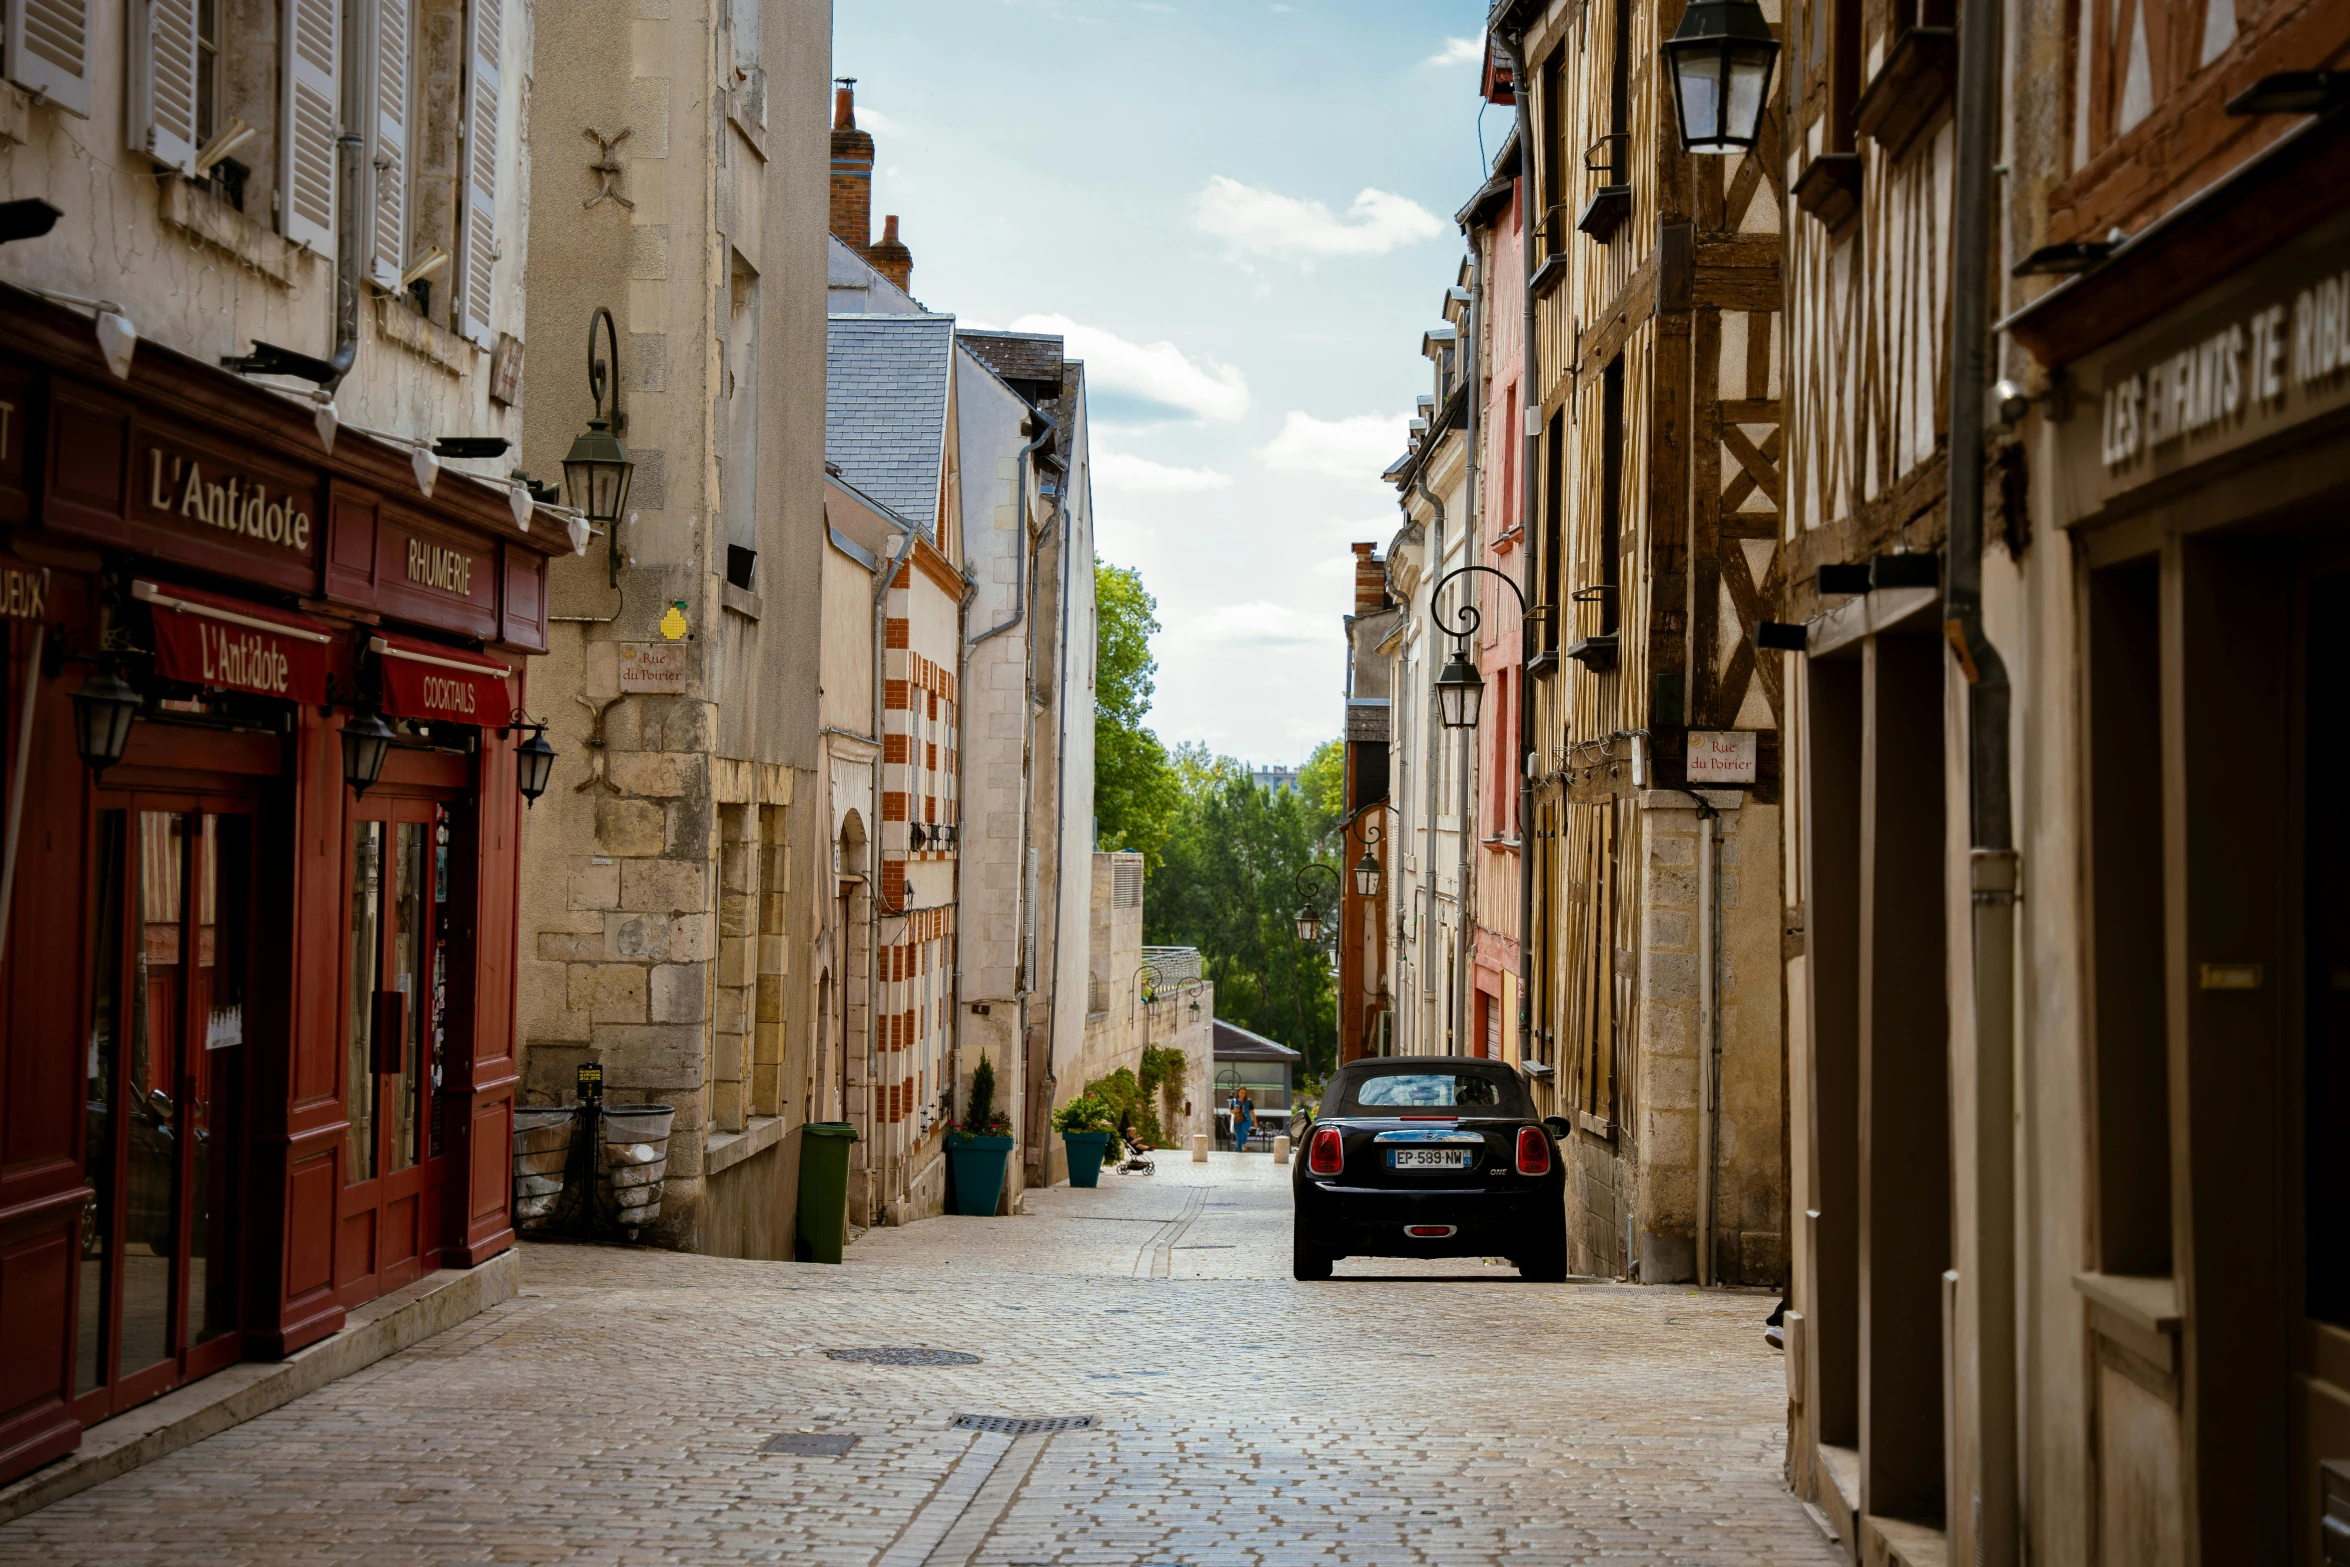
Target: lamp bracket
603	373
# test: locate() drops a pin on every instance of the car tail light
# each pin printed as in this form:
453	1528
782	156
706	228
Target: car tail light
1533	1151
1326	1154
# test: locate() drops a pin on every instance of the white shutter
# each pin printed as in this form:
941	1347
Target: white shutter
479	249
162	88
306	167
48	43
387	153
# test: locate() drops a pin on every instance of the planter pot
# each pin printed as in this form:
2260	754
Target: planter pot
977	1164
1085	1156
542	1150
636	1161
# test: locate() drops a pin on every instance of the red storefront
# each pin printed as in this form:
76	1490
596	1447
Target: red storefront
256	1024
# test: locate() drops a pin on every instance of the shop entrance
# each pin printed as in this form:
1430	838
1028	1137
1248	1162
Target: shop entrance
396	985
164	1068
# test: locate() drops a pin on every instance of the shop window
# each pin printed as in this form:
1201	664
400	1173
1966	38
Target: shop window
2130	1037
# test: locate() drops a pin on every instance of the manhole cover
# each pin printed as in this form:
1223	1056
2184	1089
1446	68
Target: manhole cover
904	1357
1018	1425
809	1444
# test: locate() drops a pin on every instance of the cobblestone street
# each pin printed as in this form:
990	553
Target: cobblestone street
1396	1415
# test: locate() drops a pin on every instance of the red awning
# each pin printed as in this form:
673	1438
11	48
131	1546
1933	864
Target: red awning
208	639
426	680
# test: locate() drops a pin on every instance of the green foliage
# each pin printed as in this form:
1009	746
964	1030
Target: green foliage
1085	1113
1135	791
1130	1104
1162	1069
1228	885
1323	780
981	1118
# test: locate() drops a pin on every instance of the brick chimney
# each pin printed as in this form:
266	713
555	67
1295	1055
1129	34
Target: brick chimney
1370	580
852	171
890	258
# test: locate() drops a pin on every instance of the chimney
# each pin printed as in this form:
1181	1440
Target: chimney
890	258
852	171
1370	580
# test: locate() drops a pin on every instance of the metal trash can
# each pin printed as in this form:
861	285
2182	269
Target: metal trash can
542	1150
636	1162
824	1190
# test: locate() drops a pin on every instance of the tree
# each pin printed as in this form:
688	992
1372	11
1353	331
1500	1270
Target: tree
1134	786
1229	887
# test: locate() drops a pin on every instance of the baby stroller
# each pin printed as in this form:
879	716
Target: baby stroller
1138	1154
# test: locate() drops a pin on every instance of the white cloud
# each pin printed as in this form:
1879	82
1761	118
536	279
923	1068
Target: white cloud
1458	51
1267	222
1358	447
1258	623
1156	373
1139	475
880	124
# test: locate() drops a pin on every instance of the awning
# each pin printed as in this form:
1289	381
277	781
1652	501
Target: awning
425	680
208	639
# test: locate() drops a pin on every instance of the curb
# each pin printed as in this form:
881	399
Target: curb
234	1395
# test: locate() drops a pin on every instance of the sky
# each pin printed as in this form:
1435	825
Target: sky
1239	214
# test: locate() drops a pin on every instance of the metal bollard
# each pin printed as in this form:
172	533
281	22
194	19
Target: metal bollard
1281	1148
1199	1148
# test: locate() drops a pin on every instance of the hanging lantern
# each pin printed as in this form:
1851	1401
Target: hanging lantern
1309	924
534	764
1460	691
1367	875
367	739
1721	57
102	712
597	468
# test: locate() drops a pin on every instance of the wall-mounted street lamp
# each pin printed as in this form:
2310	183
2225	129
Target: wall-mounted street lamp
102	712
1460	690
1721	58
1309	913
1367	869
534	759
367	740
597	469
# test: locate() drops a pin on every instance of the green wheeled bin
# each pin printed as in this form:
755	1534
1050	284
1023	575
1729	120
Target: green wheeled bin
824	1189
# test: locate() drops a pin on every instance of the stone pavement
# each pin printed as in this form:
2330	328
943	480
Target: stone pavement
616	1411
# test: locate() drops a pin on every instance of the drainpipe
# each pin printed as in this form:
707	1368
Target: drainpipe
1709	1031
1060	793
1466	876
1991	860
1529	396
1429	720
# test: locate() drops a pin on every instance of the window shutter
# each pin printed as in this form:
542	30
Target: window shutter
387	206
162	86
481	169
309	124
48	44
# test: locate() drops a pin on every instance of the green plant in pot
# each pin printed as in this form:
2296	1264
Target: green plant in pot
979	1147
1086	1124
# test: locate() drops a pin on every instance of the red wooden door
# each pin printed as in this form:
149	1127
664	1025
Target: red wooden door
170	974
396	975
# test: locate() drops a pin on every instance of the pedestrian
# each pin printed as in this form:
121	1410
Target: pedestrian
1244	1120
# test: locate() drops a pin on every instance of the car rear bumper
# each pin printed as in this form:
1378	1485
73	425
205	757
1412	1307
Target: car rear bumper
1374	1222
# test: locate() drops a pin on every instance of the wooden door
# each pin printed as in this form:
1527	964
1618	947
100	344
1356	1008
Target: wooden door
397	938
157	1294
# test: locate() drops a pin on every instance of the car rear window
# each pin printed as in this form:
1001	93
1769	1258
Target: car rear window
1471	1093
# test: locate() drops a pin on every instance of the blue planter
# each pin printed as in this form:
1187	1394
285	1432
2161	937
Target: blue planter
977	1164
1085	1156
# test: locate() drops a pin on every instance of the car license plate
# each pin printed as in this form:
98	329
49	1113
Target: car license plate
1431	1158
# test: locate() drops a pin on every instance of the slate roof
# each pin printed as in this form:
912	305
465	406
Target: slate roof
885	407
1017	356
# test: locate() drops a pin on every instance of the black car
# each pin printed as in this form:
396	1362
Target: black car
1430	1156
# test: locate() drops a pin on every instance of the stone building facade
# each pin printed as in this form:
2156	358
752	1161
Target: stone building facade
670	899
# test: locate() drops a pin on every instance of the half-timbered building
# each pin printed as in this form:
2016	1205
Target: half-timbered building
1650	478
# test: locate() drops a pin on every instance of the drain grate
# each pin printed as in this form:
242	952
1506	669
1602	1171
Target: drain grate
1018	1425
903	1356
809	1444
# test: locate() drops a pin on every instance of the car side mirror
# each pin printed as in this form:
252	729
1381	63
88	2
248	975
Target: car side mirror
1558	1126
